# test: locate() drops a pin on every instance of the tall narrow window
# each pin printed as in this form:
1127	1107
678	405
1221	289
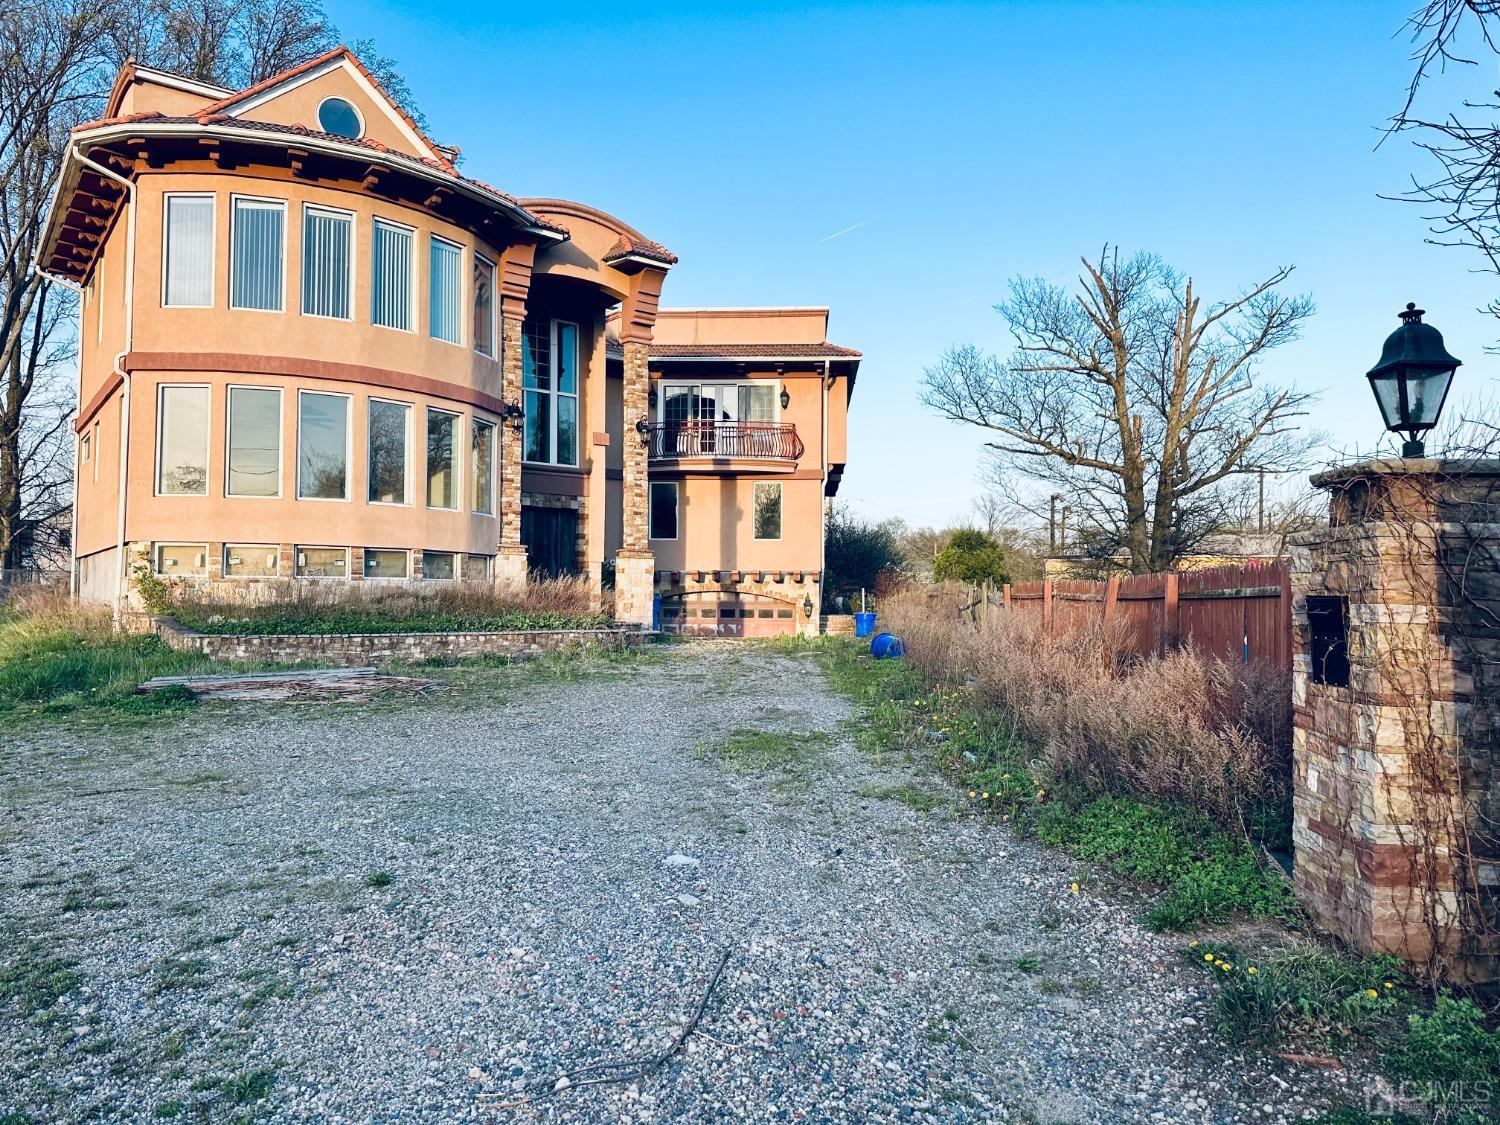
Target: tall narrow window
389	424
256	254
188	269
326	242
322	446
441	459
254	442
663	509
549	375
482	466
390	276
444	310
182	441
768	510
98	451
484	306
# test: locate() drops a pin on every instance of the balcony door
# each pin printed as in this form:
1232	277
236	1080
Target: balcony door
705	419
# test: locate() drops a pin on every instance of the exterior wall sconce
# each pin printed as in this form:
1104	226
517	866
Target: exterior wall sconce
513	414
643	427
807	605
1411	380
651	395
786	397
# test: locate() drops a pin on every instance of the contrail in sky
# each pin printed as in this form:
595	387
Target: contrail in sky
846	230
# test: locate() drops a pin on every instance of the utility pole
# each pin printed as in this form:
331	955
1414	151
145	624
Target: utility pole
1260	521
1052	524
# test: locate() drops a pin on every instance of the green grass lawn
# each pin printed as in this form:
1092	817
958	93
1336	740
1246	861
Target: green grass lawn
374	618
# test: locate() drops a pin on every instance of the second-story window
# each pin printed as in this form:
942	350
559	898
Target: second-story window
257	237
444	302
390	275
549	374
484	306
482	467
188	252
182	441
327	238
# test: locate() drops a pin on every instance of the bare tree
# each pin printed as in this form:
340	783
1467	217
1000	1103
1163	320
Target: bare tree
1132	398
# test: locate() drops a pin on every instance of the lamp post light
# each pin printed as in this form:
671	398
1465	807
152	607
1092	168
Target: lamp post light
1411	380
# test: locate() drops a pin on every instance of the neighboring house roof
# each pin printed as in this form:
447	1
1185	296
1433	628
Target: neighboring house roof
752	351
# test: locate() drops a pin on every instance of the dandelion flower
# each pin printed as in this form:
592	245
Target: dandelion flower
1208	956
972	793
1226	966
1075	888
1371	993
1251	970
986	795
1193	944
1388	984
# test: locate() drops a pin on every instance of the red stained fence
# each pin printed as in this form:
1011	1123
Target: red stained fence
1236	612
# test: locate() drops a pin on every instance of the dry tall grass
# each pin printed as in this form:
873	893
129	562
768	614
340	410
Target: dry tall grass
1205	733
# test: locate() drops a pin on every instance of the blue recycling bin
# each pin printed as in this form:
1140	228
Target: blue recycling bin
886	646
864	624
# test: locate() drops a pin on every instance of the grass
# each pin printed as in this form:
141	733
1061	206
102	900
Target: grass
33	980
353	618
749	752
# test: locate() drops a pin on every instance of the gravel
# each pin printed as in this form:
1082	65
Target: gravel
425	910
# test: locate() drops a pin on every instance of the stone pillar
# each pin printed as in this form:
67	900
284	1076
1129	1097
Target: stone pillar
635	568
510	558
1396	704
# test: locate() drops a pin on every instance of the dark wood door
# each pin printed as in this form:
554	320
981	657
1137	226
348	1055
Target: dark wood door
551	539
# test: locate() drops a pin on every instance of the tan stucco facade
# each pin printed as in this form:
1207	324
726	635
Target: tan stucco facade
581	282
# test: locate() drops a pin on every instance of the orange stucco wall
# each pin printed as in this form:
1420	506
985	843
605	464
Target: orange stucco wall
299	106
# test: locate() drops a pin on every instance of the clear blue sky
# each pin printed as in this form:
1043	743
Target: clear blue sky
975	142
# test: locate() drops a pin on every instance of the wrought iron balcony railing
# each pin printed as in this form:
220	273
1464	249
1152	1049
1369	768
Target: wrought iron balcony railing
755	441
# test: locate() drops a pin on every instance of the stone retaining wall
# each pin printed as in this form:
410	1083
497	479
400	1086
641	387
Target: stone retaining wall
357	649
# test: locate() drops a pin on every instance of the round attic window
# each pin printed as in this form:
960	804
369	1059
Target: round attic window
338	117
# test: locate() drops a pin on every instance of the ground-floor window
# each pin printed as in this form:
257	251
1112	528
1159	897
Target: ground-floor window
663	509
386	563
322	562
181	558
437	565
476	568
550	536
768	510
251	560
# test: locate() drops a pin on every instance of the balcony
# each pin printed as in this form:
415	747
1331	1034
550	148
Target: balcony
764	445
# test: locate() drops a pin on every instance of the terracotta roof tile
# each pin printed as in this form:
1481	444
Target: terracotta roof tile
642	247
752	351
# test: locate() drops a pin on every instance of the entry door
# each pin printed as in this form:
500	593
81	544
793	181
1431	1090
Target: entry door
551	539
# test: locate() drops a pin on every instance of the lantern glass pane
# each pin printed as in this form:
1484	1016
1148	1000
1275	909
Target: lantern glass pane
1425	394
1388	396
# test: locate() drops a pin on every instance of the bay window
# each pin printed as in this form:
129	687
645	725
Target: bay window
327	244
188	251
443	290
182	441
390	275
254	442
322	446
390	422
549	376
257	240
441	459
482	467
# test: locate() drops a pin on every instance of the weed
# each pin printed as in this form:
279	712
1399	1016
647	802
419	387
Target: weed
168	1109
33	980
760	751
921	800
248	1086
1450	1049
1027	964
180	973
379	879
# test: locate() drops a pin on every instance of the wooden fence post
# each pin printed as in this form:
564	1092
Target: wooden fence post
1111	597
1171	626
1005	596
1047	607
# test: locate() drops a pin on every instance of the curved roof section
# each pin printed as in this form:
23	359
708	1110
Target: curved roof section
631	243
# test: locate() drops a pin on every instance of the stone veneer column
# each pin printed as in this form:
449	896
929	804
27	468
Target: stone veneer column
1396	819
510	559
635	566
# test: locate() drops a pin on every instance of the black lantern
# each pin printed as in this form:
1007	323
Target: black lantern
1412	379
786	397
807	605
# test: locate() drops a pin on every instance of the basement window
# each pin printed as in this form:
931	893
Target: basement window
1328	624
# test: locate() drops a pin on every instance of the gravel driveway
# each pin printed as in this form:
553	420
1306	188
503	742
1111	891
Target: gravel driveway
421	911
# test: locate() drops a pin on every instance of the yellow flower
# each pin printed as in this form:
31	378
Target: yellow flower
1075	888
1226	966
986	795
972	793
1388	984
1251	970
1371	993
1208	956
1193	944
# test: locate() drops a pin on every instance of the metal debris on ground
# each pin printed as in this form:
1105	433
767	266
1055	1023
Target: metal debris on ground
311	685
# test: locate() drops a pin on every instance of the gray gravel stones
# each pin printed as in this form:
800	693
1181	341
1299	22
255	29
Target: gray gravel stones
417	912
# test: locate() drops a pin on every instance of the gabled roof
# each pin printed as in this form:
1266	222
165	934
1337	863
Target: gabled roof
244	100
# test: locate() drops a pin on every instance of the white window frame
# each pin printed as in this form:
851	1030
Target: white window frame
86	447
664	388
274	548
460	462
213	246
407	577
208	445
280	438
494	303
98	450
156	557
299	547
353	260
676	487
406	467
460	289
456	556
278	204
348	453
780	503
554	393
358	116
411	275
476	421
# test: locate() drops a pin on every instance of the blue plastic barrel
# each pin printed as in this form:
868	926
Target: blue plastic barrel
864	624
886	645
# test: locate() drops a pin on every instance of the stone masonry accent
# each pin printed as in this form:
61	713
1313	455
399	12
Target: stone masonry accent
510	438
787	589
1396	792
635	566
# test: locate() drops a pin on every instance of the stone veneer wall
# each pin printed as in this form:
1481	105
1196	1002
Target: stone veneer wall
786	588
634	564
358	649
1397	795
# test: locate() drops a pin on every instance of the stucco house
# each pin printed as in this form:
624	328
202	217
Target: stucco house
312	348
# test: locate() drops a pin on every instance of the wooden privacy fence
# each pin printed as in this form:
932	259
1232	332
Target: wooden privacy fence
1234	613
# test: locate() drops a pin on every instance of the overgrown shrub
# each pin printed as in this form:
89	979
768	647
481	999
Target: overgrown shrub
1201	733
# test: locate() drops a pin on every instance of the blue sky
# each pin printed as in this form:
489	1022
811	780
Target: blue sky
973	142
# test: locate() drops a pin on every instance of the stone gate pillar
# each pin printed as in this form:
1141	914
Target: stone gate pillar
515	286
1396	700
635	566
